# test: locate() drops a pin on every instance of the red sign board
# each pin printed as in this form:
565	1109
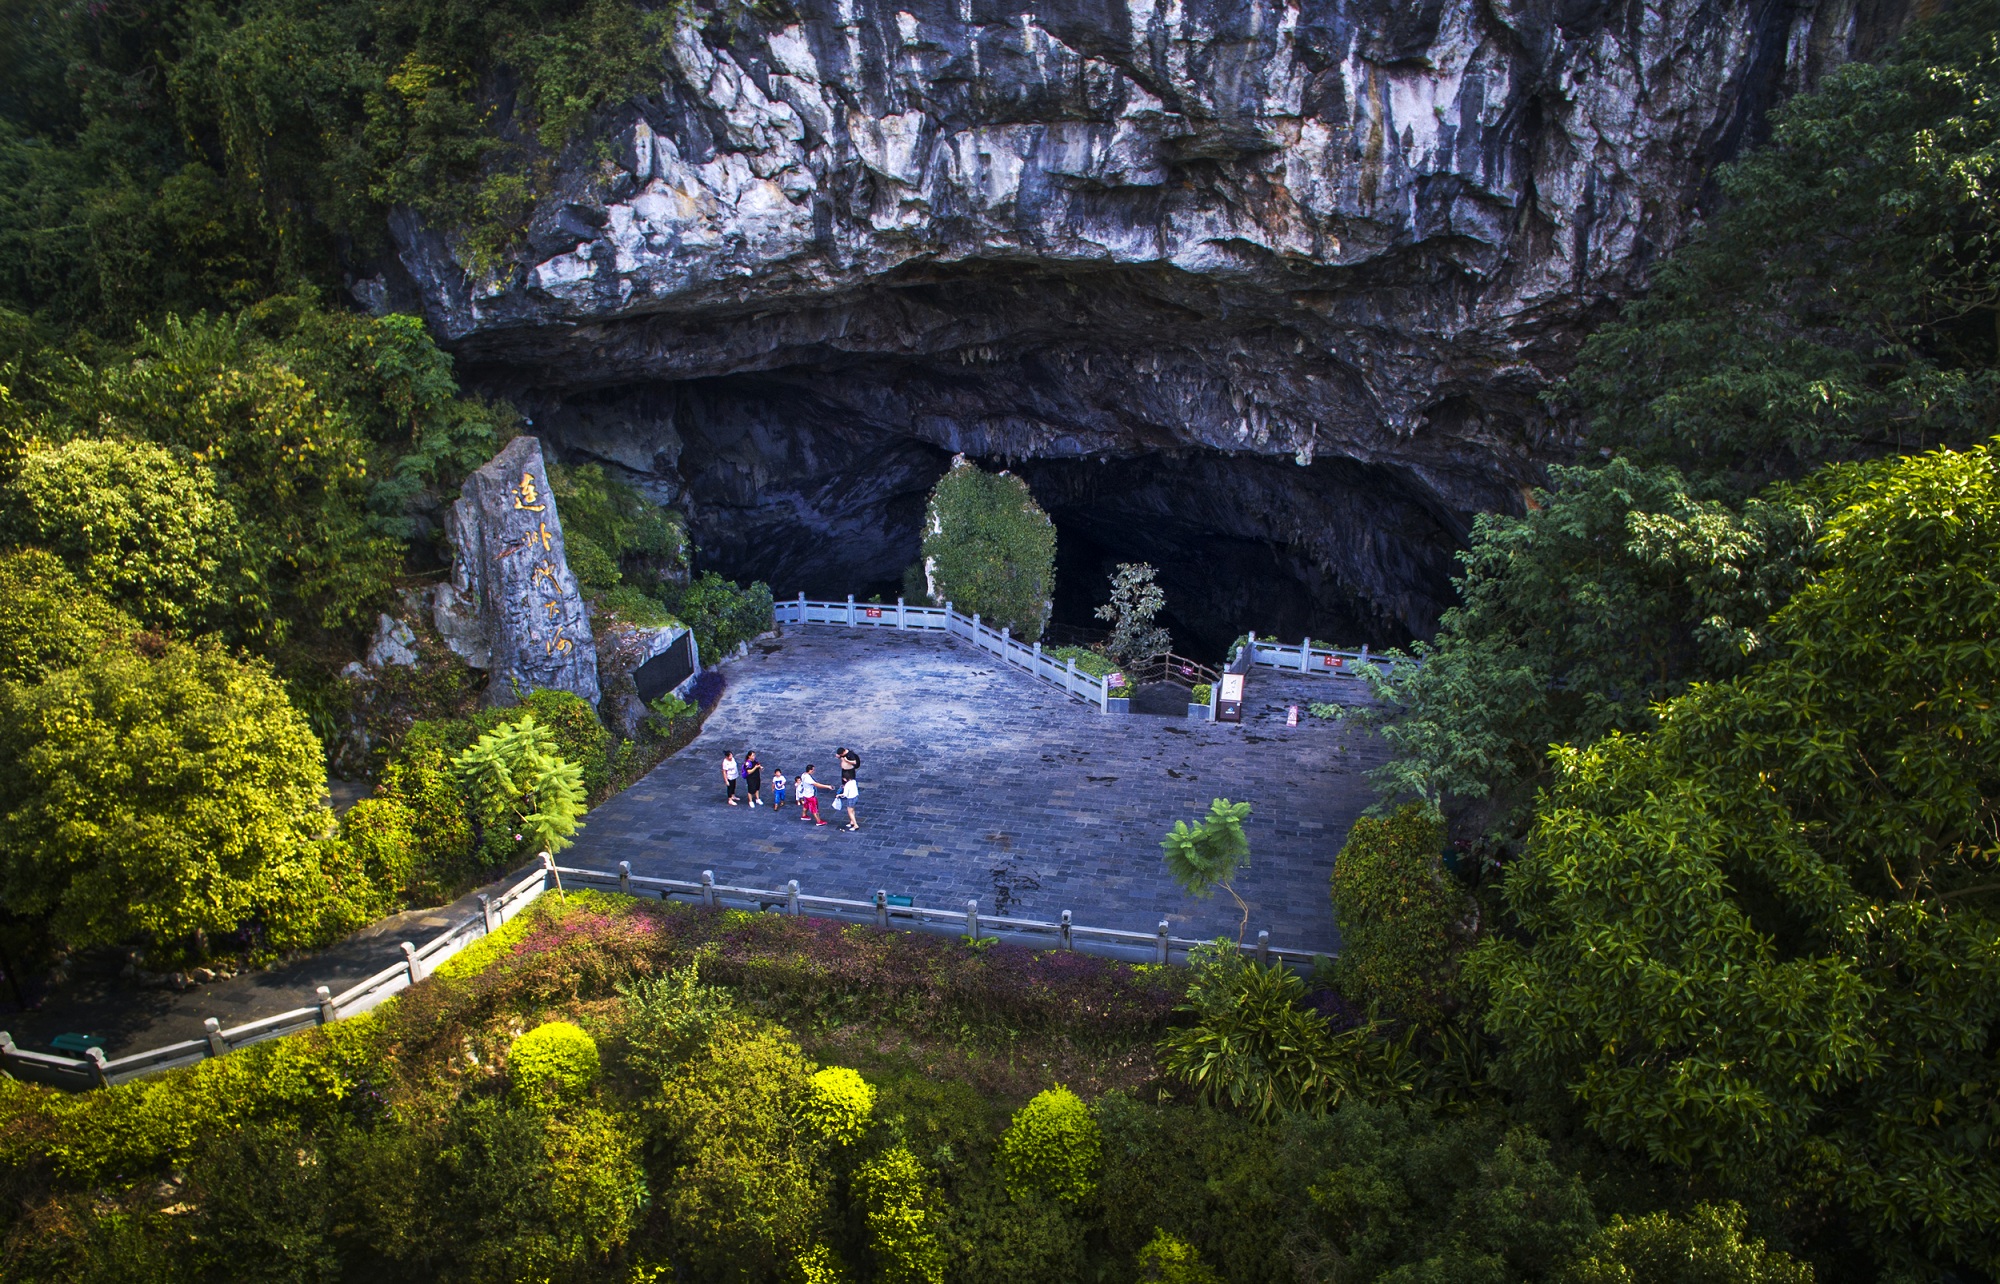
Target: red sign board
1114	680
1331	661
874	612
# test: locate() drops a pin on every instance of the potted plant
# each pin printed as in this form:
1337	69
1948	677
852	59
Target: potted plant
1201	704
1115	682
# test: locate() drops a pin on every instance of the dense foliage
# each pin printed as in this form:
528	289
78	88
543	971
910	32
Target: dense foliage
989	549
398	1146
1767	935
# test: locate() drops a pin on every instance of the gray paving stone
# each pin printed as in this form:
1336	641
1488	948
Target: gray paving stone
980	782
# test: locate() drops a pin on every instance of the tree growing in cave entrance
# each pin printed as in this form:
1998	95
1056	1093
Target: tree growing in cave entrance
1135	600
989	549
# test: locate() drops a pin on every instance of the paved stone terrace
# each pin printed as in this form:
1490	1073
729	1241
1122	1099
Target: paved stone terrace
980	781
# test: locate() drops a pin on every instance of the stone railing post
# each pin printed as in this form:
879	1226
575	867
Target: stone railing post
850	608
486	911
412	964
217	1045
99	1072
1250	645
802	608
708	888
972	920
1263	947
1305	655
792	898
882	908
1037	663
901	610
625	877
551	881
1066	942
328	1014
1160	948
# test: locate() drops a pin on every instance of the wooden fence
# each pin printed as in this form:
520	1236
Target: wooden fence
94	1070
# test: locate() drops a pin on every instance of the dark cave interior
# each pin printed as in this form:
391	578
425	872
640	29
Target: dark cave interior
782	489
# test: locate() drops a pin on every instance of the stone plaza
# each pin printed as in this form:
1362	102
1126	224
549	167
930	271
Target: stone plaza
978	781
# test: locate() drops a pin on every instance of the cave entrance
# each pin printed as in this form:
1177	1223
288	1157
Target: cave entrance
1244	543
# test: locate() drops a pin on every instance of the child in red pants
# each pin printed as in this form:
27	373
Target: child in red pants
809	795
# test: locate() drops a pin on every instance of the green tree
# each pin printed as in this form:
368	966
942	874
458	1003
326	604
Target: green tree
1705	1247
1169	1260
989	549
137	524
1135	600
1207	855
162	793
1764	939
519	783
1842	302
1618	588
57	623
1401	916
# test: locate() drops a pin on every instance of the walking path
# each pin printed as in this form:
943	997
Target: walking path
977	781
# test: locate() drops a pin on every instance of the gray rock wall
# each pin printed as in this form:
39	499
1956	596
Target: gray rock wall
842	243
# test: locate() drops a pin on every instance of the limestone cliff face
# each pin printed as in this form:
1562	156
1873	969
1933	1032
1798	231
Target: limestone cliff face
1185	241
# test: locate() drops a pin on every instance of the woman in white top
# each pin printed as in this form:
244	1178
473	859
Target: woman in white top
849	791
729	778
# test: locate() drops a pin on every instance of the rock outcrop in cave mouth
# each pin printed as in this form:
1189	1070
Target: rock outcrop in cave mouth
1144	427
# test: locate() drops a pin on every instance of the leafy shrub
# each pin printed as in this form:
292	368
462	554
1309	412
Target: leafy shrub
1400	915
519	784
1169	1260
381	837
1705	1247
721	614
1091	662
633	606
552	1062
162	793
622	530
580	735
989	549
56	622
1051	1148
838	1106
1204	692
418	776
134	522
1254	1046
898	1207
291	463
744	1193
